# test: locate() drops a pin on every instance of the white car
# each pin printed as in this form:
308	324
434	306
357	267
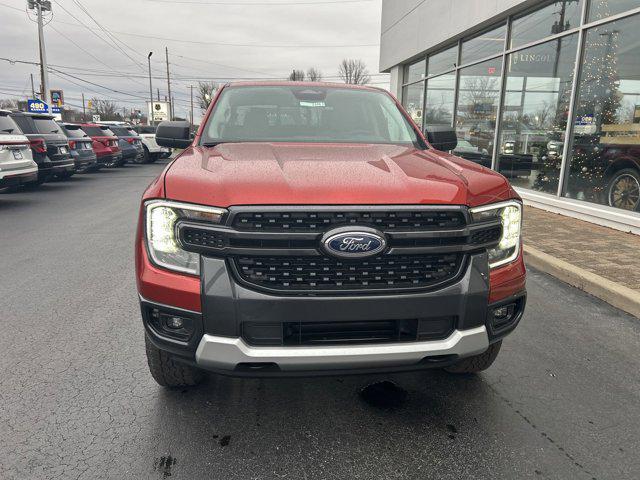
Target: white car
16	161
153	151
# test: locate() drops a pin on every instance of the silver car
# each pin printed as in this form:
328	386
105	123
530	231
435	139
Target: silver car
16	161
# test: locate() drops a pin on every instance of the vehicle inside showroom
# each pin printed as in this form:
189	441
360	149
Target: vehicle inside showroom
547	93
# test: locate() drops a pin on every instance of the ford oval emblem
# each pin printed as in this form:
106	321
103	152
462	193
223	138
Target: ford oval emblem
351	243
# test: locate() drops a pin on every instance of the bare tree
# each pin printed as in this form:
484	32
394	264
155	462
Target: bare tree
8	104
314	75
107	109
206	90
354	72
296	76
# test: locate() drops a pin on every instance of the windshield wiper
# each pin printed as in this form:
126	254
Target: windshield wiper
212	144
8	130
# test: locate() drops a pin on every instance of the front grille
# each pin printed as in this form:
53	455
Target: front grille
348	332
320	220
199	237
486	236
394	272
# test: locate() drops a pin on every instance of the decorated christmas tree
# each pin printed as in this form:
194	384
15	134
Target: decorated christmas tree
597	105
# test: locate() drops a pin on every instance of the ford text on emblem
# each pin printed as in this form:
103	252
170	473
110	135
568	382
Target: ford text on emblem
346	243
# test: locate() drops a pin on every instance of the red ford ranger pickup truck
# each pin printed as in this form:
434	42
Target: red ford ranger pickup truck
312	229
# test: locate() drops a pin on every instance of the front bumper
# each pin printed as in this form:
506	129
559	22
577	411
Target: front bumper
233	354
219	344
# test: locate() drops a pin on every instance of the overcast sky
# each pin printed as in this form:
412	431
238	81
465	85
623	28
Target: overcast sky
207	39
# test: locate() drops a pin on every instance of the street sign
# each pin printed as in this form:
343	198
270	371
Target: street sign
159	111
57	97
96	118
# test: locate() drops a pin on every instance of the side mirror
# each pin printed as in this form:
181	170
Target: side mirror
174	134
441	137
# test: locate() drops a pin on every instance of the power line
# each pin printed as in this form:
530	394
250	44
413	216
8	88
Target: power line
253	4
107	32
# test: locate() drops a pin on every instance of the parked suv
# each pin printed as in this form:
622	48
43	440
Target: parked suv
49	145
130	143
105	144
312	229
80	145
16	161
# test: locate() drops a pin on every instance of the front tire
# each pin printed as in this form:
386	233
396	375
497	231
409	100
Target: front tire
477	363
167	372
623	190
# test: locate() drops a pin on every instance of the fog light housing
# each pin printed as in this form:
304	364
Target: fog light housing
175	323
171	325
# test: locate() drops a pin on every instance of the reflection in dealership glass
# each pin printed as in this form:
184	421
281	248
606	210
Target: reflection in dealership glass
605	160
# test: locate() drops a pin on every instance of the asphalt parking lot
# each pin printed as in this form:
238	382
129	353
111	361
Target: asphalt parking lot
77	401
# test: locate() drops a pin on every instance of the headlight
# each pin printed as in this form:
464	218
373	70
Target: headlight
510	215
161	236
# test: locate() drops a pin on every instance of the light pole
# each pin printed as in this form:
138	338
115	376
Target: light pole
150	91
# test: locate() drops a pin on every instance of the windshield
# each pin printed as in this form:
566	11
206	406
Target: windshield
7	125
307	114
46	125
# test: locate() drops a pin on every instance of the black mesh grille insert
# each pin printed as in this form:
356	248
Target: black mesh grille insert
486	236
388	272
200	237
348	332
312	221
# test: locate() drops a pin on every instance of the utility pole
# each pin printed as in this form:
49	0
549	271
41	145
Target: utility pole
42	6
166	51
150	113
191	87
158	94
33	89
84	112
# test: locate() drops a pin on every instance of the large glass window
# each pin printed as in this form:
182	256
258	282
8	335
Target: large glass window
413	99
477	110
484	45
534	118
443	61
415	71
605	162
599	9
555	18
441	94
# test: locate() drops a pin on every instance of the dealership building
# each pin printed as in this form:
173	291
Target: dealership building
545	92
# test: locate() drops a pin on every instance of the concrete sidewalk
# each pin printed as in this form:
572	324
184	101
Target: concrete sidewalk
598	260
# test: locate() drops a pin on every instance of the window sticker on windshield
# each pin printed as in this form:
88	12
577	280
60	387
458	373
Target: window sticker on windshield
311	104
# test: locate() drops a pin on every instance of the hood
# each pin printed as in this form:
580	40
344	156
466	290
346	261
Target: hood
328	174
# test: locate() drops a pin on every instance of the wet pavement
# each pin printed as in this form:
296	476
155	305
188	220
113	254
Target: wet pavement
76	400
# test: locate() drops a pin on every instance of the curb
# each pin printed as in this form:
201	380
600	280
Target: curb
617	295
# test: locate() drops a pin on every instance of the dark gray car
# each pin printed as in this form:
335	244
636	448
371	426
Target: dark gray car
49	145
130	144
84	157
